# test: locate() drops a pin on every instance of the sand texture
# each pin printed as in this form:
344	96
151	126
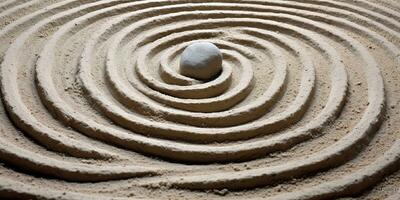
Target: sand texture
93	106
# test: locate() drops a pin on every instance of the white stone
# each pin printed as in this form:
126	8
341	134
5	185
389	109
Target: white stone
201	60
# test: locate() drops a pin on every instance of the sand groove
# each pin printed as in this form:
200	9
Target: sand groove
306	106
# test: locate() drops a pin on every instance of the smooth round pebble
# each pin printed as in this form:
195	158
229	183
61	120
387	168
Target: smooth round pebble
201	60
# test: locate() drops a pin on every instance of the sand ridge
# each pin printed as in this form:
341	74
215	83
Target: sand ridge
94	107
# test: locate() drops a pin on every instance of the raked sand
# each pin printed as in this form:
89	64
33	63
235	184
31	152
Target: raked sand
307	105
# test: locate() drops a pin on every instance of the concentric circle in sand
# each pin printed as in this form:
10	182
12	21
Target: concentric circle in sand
94	107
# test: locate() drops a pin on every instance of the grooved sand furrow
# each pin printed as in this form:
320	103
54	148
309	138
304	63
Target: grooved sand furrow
305	88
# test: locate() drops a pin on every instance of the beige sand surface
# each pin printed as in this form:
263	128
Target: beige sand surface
93	106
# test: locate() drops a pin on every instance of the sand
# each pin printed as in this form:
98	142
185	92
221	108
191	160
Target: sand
307	105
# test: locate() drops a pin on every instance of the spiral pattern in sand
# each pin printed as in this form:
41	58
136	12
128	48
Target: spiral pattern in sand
93	105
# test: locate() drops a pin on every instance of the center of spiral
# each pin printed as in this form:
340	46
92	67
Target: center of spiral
201	60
